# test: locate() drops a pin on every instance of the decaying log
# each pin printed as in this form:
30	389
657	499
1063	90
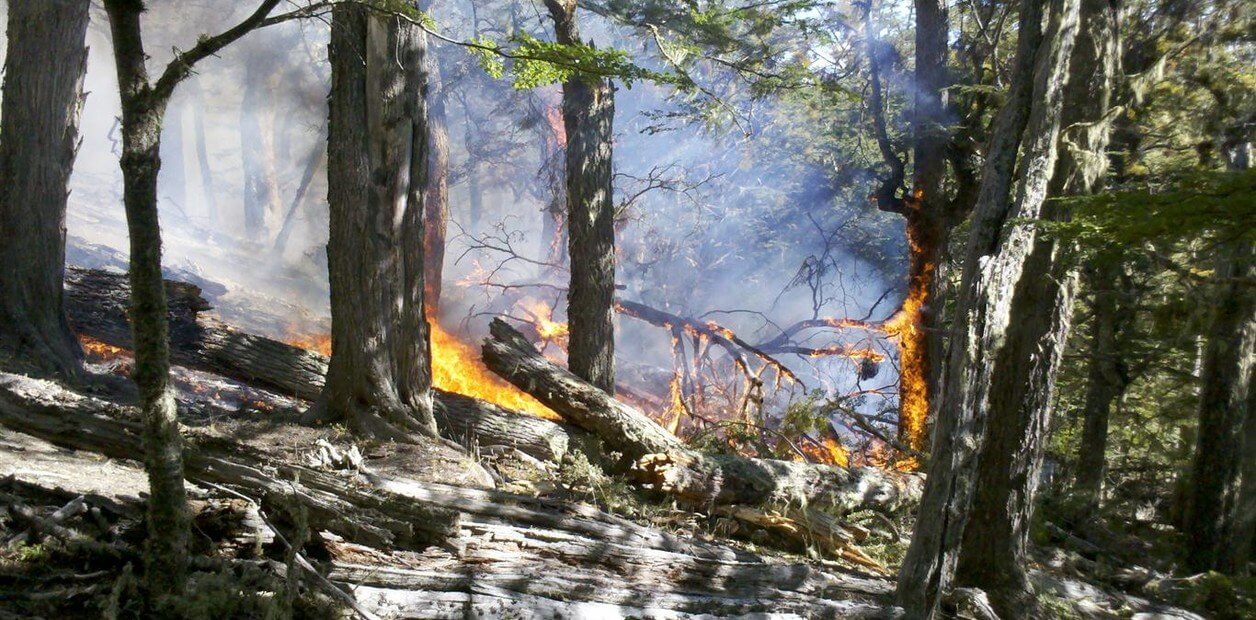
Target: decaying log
350	509
96	303
665	463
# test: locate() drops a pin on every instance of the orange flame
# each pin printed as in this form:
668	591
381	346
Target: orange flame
905	328
829	452
543	318
98	351
456	367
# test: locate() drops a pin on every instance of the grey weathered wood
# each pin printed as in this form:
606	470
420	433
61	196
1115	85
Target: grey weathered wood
348	508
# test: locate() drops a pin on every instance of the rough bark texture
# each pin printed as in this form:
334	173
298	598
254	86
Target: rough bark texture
436	206
1229	366
1021	394
44	67
96	304
142	112
662	461
588	116
999	249
380	373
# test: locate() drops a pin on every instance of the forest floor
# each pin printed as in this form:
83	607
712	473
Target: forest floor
528	538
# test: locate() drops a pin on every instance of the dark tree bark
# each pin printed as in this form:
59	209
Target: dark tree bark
588	116
1229	367
379	376
143	106
1107	377
43	94
985	345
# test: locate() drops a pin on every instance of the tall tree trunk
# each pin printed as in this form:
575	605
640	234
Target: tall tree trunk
43	95
436	206
926	224
142	110
1106	378
1022	381
998	260
261	185
379	376
588	116
202	154
1224	400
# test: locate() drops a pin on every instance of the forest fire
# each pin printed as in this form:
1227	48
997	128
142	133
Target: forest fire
905	328
98	351
827	452
542	316
456	367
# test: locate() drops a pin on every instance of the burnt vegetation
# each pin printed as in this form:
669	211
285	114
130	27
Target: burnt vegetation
628	308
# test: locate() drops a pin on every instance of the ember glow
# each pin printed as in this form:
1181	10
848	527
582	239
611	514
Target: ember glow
456	367
98	351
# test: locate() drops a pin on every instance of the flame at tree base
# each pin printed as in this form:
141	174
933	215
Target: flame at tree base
456	367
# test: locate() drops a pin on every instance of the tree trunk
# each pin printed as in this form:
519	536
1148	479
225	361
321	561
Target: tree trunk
436	205
142	112
926	225
379	376
588	116
983	340
1106	379
1022	379
202	154
43	94
261	184
1227	383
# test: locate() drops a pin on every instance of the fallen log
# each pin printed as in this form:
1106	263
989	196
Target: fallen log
661	461
96	303
352	510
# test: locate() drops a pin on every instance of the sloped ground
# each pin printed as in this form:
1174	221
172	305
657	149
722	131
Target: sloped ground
511	555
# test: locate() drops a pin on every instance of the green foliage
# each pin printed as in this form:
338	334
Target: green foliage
534	63
1192	205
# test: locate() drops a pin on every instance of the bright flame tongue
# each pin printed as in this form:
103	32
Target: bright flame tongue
456	367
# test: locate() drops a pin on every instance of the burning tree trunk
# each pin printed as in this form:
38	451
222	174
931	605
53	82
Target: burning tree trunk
662	461
986	348
380	376
43	94
588	114
143	106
